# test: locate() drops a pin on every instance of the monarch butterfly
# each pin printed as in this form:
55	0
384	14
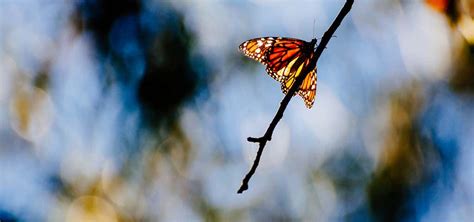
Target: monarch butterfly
285	59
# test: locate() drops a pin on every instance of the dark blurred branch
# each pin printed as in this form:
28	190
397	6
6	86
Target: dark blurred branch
262	141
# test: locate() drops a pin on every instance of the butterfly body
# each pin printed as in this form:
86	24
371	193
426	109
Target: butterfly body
285	59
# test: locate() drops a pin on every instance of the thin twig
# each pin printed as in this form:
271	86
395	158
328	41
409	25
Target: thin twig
262	141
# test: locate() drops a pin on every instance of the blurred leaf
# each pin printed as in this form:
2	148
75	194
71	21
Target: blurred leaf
407	160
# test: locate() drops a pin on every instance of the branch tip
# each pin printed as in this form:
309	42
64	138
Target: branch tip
257	140
243	188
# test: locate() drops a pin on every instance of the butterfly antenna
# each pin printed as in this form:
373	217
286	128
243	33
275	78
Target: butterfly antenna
314	24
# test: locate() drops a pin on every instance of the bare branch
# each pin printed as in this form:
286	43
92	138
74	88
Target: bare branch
262	141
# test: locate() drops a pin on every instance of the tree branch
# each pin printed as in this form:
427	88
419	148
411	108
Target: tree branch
284	103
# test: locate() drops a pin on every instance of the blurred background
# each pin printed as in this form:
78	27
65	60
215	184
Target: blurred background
140	110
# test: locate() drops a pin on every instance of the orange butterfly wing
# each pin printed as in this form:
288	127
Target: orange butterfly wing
307	89
274	52
257	48
285	60
283	56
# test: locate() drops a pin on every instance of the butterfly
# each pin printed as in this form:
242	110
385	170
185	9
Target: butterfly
285	59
